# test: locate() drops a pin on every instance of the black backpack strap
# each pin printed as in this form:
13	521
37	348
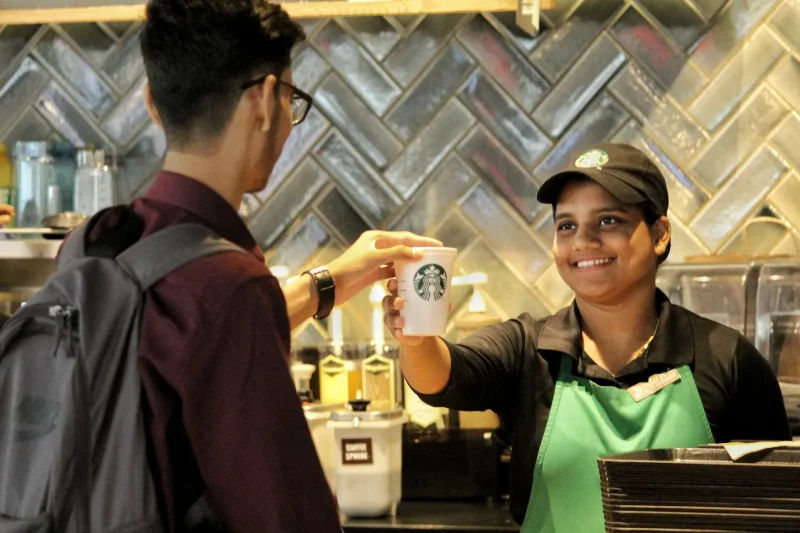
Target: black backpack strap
74	246
157	255
124	232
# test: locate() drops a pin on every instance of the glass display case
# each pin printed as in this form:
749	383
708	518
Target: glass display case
760	299
777	329
718	291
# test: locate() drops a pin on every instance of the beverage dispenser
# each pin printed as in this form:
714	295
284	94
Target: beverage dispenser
369	459
777	330
718	291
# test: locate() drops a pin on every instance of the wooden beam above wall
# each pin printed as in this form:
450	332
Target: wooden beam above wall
313	9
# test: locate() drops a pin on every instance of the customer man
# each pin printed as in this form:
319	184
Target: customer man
222	412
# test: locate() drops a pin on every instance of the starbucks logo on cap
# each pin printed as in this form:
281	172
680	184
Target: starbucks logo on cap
595	158
430	282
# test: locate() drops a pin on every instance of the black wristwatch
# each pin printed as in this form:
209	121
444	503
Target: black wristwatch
326	290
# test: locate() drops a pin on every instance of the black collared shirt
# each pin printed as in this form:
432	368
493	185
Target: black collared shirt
511	368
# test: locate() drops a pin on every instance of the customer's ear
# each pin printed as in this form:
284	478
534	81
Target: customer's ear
151	107
269	103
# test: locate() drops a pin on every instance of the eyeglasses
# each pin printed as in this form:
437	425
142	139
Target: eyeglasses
301	101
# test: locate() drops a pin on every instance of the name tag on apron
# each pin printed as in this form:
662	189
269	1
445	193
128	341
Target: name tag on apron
640	391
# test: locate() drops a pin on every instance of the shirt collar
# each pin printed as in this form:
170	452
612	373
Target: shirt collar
204	202
672	345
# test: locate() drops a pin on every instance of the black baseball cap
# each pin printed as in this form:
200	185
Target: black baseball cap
624	171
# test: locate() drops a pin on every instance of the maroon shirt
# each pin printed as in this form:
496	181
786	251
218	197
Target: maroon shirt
221	407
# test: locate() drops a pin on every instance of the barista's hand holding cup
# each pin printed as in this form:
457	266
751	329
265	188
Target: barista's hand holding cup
420	295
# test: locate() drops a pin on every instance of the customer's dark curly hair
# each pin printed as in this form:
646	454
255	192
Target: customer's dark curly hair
197	53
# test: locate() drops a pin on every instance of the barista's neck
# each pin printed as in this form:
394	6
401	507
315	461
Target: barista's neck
615	333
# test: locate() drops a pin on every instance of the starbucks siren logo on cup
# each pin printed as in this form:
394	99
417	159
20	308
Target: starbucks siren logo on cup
424	286
430	282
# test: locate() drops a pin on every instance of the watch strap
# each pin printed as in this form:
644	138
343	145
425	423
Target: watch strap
326	291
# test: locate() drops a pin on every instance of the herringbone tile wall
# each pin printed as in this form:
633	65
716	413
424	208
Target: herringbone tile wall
445	125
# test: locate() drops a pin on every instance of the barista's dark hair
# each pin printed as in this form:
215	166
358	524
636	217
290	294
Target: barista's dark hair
198	53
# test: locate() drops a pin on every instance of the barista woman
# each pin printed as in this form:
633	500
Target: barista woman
619	370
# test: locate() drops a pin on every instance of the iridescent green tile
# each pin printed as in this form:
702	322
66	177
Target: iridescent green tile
95	43
421	102
302	140
303	241
355	120
504	118
579	86
363	185
456	231
510	68
728	30
506	231
741	195
441	192
498	167
357	67
374	33
653	51
339	214
504	287
30	127
13	40
736	79
19	90
90	90
413	54
429	148
740	137
570	37
288	202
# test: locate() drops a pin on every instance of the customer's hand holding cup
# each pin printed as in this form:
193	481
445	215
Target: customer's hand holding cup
419	299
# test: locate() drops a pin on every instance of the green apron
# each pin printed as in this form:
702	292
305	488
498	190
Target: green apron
588	421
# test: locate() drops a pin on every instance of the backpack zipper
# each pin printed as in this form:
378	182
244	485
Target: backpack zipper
85	443
67	315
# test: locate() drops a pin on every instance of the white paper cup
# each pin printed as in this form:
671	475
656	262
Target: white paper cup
424	285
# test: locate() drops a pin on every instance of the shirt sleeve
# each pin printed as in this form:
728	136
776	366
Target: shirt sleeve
245	421
757	411
484	371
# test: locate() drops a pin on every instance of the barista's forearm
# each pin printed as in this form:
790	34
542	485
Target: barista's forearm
426	366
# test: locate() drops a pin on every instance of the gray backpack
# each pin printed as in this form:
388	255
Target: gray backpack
73	452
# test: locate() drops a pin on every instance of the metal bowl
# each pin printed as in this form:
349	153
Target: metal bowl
61	224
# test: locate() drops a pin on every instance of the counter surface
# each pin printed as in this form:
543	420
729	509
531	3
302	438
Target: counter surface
443	517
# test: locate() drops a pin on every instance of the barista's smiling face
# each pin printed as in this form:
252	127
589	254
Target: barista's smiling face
603	248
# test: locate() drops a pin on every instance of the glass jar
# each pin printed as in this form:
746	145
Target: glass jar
94	183
34	174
